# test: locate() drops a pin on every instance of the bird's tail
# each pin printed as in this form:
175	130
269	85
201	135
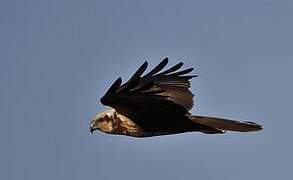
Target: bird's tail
226	124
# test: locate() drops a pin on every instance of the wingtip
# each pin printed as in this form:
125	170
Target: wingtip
180	64
166	59
164	62
141	69
114	86
145	64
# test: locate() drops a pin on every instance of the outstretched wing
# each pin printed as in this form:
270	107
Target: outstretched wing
164	92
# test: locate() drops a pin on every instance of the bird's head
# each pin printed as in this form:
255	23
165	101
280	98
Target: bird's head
103	121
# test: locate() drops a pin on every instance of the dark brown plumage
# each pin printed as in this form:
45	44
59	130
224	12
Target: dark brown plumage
158	103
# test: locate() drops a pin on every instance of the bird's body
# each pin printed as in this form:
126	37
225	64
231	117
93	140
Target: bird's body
158	103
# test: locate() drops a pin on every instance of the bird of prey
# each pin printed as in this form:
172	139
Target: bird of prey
158	103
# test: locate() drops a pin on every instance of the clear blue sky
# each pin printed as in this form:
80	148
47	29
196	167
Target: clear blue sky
58	57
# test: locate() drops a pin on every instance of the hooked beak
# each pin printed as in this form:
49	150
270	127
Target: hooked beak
92	130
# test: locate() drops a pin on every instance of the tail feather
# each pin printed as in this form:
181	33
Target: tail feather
226	124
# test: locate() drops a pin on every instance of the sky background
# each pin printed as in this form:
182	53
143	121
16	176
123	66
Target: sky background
58	57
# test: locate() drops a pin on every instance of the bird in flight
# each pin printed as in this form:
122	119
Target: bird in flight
158	103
